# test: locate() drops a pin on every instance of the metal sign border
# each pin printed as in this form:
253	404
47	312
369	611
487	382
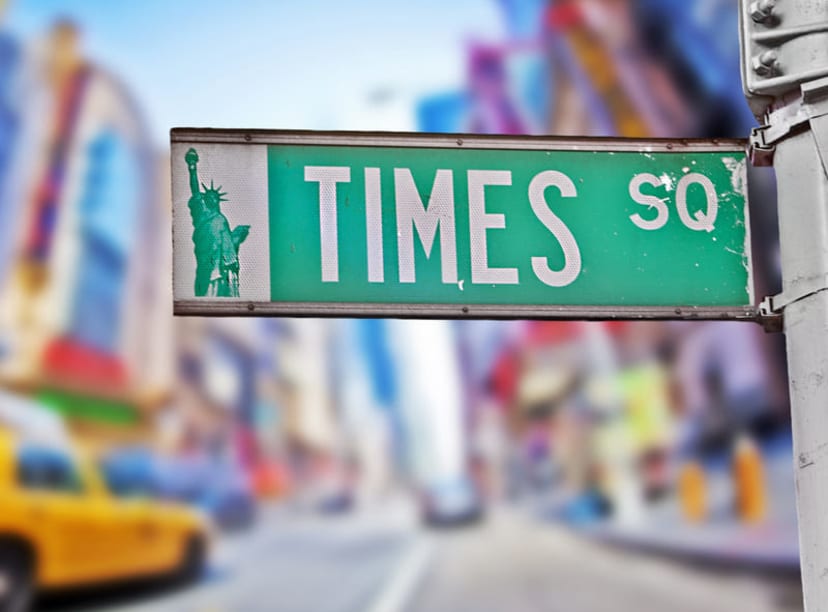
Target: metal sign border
454	141
233	308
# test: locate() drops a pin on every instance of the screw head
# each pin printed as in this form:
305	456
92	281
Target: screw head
761	11
765	64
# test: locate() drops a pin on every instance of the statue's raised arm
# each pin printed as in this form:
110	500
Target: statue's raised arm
191	157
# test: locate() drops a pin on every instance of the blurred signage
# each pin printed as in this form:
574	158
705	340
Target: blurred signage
405	225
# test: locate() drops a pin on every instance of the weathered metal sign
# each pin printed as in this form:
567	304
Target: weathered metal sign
352	224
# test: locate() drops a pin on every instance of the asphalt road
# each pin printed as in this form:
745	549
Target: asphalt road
514	564
381	561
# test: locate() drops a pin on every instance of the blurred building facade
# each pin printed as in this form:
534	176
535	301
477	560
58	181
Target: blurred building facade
83	323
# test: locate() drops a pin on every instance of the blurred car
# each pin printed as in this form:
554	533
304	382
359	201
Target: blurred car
218	487
337	501
61	527
450	503
333	489
227	496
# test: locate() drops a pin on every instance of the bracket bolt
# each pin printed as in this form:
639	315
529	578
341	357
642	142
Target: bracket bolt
761	11
765	64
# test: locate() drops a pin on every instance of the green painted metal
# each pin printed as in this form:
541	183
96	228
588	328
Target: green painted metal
638	245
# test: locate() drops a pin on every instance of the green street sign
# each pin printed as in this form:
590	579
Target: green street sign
407	225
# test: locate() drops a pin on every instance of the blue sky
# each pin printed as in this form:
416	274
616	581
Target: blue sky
301	64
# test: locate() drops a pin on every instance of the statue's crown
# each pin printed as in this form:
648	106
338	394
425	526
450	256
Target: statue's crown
216	191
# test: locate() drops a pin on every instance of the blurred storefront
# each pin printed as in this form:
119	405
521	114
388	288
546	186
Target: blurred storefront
83	323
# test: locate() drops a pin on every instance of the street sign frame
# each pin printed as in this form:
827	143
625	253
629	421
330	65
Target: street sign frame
229	307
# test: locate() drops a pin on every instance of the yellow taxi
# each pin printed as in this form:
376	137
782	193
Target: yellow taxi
60	527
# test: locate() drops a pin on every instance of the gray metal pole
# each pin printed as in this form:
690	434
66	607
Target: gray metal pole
784	68
803	225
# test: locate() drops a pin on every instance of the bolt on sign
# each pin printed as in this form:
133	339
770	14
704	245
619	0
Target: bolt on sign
406	225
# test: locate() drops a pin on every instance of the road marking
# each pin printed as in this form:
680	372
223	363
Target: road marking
404	580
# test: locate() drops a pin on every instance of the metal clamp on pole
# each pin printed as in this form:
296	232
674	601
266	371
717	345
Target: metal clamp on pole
771	320
798	115
806	288
760	147
772	309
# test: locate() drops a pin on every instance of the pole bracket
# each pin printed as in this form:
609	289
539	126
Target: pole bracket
772	321
772	308
810	105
